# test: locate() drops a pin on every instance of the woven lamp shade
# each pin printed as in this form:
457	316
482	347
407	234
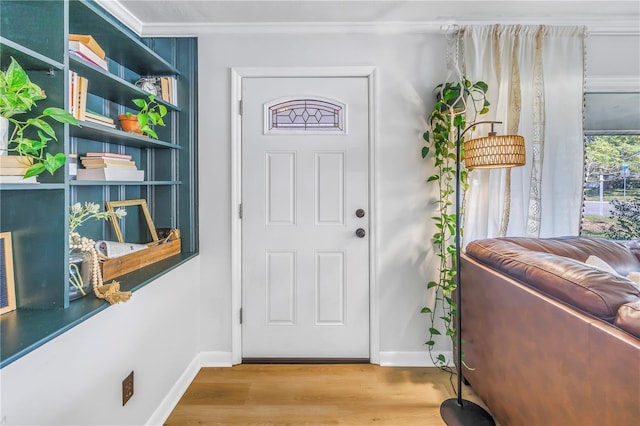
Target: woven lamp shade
494	152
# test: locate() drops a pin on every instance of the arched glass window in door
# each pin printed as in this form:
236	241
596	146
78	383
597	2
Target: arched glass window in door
305	114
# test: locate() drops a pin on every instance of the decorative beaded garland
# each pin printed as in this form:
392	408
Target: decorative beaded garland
87	245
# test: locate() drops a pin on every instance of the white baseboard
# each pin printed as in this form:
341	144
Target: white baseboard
203	359
177	390
411	359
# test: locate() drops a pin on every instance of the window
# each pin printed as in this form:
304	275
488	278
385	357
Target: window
612	166
305	115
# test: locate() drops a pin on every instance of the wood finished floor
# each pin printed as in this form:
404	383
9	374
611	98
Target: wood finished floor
360	394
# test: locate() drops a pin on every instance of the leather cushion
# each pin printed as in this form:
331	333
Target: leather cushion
623	256
589	289
628	318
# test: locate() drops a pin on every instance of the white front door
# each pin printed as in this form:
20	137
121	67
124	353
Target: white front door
305	197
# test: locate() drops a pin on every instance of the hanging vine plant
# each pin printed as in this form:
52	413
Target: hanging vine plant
456	102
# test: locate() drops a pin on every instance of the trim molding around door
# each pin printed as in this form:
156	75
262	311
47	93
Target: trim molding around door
237	74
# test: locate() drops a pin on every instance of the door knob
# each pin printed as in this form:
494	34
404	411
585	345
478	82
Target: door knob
360	213
360	233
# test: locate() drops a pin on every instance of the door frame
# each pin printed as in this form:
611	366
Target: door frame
237	76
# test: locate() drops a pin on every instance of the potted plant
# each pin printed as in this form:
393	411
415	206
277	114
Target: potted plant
456	101
150	114
29	137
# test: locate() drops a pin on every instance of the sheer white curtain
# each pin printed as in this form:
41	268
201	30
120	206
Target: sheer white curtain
536	83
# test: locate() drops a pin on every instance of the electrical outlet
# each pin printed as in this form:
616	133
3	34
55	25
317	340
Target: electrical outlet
127	388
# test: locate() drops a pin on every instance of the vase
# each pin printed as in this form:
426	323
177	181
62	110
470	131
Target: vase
79	275
4	135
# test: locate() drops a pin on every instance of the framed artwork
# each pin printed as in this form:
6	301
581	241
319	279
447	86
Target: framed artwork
113	205
7	284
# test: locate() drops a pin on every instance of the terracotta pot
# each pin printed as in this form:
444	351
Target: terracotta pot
129	124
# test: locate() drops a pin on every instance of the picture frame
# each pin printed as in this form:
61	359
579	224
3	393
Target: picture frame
113	205
7	283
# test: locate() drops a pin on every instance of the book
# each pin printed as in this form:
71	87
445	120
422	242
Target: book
73	165
87	54
126	166
164	85
98	117
90	42
13	171
168	89
73	92
108	155
110	174
15	161
18	179
81	107
173	86
102	123
103	161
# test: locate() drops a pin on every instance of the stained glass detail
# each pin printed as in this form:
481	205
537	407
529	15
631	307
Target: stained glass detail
306	114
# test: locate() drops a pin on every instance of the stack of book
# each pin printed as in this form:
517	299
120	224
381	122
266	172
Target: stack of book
94	117
13	168
86	48
169	89
109	166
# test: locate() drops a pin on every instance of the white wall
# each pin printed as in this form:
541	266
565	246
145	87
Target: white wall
409	66
76	378
613	56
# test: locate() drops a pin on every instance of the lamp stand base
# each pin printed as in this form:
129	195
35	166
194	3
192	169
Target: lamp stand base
466	414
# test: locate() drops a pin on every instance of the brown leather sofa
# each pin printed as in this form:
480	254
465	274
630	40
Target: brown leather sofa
552	341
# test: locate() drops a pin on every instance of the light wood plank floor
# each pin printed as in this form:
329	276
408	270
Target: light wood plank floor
318	394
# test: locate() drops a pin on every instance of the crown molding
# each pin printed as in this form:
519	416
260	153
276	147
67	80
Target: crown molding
599	27
122	14
603	25
292	28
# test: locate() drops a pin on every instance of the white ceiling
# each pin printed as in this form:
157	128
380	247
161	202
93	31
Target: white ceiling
143	15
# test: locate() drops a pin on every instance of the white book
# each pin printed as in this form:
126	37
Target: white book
102	123
73	92
85	53
110	174
17	179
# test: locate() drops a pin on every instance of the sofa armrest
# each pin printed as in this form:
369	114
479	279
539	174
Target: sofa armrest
628	318
537	361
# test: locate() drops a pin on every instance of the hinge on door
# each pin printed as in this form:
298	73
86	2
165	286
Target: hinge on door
240	107
240	315
240	211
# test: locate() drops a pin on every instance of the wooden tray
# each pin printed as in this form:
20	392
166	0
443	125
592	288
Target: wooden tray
112	268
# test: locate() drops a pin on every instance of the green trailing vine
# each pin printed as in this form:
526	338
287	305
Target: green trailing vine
456	101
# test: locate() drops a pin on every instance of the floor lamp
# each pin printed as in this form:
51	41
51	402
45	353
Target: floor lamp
492	151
